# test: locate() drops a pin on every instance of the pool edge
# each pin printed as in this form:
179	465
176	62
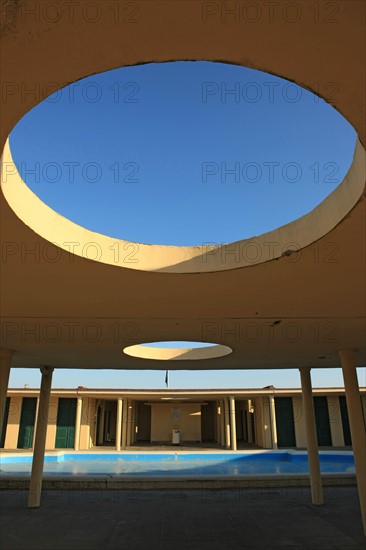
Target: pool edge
176	482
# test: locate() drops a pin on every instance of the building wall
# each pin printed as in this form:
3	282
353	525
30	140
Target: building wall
87	420
52	420
267	429
188	421
93	421
163	421
335	421
12	430
262	423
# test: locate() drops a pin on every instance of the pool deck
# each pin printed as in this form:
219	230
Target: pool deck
263	519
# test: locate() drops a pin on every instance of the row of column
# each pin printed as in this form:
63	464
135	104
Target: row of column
125	432
226	423
125	423
125	427
226	430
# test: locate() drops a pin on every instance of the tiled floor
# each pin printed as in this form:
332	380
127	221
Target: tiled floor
278	519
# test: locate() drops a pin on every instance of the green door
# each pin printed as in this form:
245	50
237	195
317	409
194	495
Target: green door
285	422
5	423
65	430
322	422
345	420
27	419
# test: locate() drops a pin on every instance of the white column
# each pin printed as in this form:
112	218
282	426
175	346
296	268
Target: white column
233	423
218	421
134	423
356	423
35	484
311	437
272	410
124	423
227	424
132	433
119	424
129	422
222	423
249	422
79	406
5	364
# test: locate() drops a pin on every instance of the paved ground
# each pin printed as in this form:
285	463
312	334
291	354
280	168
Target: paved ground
267	519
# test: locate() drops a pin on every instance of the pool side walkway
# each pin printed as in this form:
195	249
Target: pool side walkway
276	519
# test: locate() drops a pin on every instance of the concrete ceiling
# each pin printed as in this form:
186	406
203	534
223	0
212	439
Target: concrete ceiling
63	310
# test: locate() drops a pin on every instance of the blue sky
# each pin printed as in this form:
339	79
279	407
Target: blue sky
182	153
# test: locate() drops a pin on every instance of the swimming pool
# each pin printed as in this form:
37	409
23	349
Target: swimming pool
181	464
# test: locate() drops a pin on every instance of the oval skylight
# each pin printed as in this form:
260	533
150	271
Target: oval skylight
177	351
182	153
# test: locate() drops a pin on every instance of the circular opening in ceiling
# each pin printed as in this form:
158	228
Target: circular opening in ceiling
188	157
183	153
177	351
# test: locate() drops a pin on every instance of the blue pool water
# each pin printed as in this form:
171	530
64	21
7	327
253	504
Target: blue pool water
188	464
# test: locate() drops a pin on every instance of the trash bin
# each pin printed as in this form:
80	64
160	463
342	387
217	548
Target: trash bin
176	437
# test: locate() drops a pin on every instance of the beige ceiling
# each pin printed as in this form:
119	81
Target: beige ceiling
285	312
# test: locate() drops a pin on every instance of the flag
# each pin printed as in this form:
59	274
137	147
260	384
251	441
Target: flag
167	379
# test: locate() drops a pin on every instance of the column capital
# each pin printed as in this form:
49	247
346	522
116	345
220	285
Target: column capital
45	371
345	354
304	369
